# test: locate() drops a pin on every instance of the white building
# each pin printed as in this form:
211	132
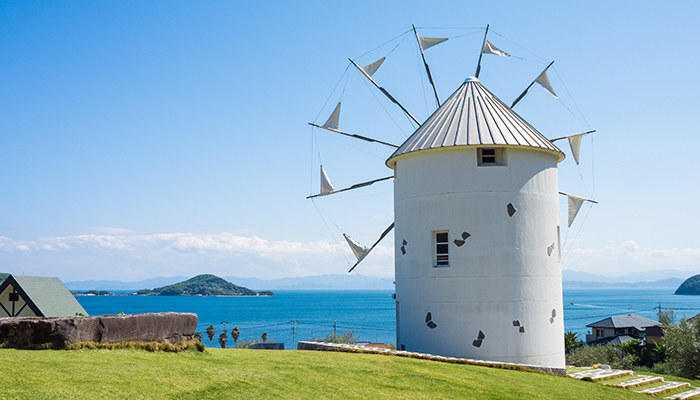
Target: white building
478	269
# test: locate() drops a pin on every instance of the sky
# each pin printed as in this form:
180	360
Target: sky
167	138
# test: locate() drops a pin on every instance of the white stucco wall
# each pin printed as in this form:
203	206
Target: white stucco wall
501	274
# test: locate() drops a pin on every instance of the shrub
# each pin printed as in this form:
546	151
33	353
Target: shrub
588	355
244	344
150	346
347	337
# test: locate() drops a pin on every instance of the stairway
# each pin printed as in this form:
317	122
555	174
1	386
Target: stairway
625	379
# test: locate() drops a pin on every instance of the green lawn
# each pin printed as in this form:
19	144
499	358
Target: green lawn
259	374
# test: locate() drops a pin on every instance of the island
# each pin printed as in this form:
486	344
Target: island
690	286
203	285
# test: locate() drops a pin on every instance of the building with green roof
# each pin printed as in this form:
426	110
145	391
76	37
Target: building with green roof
37	296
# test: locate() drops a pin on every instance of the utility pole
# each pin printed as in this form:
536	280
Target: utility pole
294	333
335	328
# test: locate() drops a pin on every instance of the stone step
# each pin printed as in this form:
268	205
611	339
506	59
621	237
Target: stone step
668	387
691	394
601	374
641	381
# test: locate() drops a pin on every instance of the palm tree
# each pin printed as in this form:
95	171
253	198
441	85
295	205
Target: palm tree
223	338
570	341
264	337
235	333
211	332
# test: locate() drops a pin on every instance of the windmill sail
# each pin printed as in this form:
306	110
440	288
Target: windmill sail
359	250
372	68
426	42
332	122
542	80
574	143
386	232
575	204
381	89
489	48
326	185
423	44
355	186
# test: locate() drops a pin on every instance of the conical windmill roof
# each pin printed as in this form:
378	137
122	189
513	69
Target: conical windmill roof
473	116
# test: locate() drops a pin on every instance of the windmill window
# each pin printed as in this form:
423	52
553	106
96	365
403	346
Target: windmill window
442	255
491	157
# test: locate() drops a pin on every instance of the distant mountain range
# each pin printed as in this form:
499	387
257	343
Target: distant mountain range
319	282
572	279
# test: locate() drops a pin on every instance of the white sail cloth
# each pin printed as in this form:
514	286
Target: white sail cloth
426	43
489	48
326	185
359	250
334	119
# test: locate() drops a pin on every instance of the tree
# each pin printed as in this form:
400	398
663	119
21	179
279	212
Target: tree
223	338
571	341
667	317
683	348
211	332
198	336
235	333
264	337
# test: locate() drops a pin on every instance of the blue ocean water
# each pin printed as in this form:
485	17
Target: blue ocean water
371	314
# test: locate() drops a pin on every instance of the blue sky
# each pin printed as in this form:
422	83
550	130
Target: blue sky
143	139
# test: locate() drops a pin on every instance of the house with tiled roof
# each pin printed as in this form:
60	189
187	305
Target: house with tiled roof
37	296
620	329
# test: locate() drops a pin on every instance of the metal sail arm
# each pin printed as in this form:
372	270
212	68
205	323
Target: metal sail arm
354	135
355	186
568	136
427	68
528	88
578	198
381	89
481	53
386	232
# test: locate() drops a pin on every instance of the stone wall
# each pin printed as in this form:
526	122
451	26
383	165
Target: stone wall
30	332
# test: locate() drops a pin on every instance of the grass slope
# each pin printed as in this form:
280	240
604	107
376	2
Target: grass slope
259	374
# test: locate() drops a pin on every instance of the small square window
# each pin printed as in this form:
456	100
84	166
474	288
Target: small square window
491	157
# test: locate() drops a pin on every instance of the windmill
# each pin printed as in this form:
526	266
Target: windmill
476	226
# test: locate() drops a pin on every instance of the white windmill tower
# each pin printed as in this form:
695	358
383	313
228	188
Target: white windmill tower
476	214
476	222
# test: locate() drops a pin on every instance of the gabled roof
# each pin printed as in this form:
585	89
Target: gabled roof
46	296
625	321
473	116
615	340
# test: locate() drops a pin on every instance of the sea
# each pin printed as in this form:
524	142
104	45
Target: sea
294	315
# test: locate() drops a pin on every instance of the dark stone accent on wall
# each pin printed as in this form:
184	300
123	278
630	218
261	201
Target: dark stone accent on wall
465	235
522	329
477	343
432	325
481	336
403	250
404	242
516	323
428	317
459	243
511	209
554	312
29	332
